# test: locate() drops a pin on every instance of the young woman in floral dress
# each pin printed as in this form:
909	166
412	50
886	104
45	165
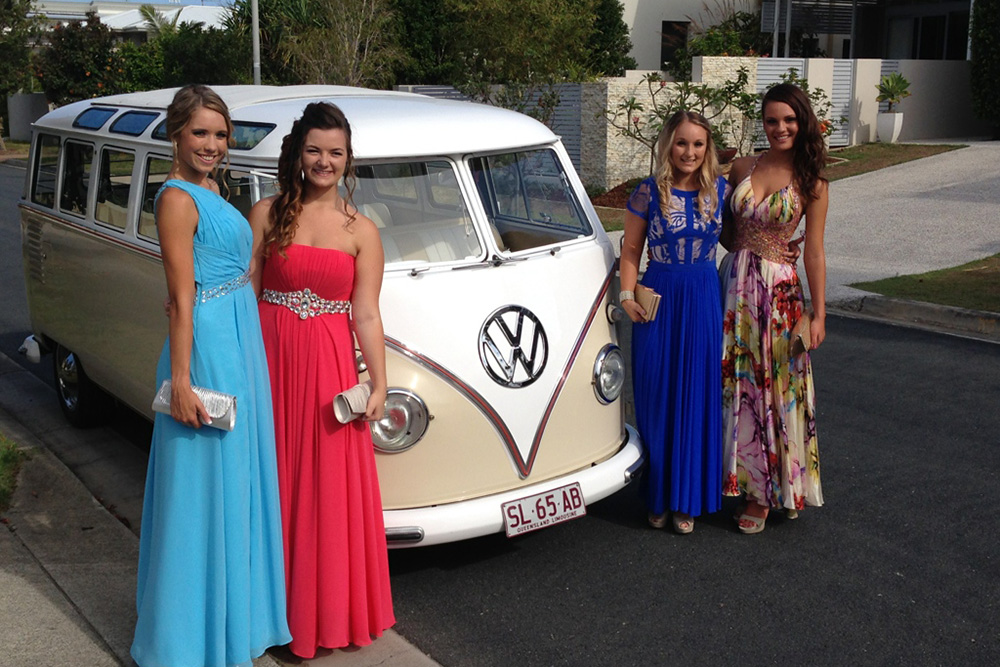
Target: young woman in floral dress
769	425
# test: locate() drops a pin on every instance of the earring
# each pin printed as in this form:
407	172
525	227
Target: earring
302	175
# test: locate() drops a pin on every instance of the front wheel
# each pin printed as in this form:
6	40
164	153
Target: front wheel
82	402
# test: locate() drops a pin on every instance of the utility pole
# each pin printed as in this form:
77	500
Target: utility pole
255	29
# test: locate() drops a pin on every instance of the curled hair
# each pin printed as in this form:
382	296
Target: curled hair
287	205
809	151
186	102
708	193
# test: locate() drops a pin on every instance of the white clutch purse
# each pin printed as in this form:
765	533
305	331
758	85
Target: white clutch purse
221	407
351	403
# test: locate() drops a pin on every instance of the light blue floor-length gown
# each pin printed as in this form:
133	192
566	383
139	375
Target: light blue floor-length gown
211	589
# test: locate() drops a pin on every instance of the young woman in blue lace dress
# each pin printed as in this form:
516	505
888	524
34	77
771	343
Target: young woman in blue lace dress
676	357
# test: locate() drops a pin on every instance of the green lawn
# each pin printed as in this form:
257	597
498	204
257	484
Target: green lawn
10	463
975	285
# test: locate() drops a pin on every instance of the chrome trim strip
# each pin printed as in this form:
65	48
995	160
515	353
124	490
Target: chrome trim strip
601	296
125	243
475	397
404	535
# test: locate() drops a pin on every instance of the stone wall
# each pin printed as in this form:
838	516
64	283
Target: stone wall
606	157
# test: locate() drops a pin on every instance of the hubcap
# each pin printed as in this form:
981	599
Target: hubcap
68	381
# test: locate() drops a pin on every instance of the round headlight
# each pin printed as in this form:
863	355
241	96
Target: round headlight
402	425
609	373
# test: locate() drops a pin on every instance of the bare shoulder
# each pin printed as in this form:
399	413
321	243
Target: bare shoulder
175	201
259	215
740	168
364	227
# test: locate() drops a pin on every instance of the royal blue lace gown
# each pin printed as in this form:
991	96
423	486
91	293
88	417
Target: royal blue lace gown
211	590
677	358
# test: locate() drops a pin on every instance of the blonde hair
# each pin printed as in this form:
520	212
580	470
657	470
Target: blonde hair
708	193
189	99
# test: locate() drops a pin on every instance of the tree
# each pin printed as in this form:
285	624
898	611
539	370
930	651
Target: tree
80	62
17	31
426	30
541	44
351	42
222	58
985	70
609	43
158	24
142	66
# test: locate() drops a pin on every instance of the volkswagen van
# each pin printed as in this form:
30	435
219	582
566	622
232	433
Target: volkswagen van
504	411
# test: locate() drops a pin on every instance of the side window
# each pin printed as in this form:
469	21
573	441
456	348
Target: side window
237	187
43	190
396	181
528	199
76	177
114	183
156	173
420	212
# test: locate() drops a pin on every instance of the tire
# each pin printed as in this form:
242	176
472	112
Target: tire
83	403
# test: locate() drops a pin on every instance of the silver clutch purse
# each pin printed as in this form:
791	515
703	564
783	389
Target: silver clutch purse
221	407
351	403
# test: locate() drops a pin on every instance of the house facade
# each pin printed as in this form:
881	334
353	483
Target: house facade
888	29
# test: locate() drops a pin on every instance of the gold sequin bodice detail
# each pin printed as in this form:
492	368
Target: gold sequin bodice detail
765	228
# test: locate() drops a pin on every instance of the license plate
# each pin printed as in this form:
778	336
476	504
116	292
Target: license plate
543	509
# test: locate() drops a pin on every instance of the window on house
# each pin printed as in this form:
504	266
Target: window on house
673	37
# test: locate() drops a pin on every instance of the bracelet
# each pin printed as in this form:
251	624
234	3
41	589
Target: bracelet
626	295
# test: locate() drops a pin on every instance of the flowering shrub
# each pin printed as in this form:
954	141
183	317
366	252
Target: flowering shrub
79	63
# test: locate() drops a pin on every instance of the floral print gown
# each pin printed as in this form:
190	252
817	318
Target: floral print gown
769	414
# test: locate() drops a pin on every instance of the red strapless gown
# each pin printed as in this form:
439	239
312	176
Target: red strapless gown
336	564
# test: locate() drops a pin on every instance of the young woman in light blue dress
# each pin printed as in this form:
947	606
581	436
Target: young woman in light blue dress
210	590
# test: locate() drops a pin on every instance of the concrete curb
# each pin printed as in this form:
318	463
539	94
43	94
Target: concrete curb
930	316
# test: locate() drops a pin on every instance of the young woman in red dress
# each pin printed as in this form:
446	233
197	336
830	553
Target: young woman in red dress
311	245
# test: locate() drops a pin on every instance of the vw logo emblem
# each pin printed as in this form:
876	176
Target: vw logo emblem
513	347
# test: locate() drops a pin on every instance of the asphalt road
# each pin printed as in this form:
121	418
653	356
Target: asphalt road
899	567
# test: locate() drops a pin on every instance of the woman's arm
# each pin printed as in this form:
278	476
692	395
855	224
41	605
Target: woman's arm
635	238
727	238
176	222
259	222
367	319
814	258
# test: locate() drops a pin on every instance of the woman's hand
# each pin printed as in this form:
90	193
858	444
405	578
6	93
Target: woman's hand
793	251
375	409
634	311
186	407
817	331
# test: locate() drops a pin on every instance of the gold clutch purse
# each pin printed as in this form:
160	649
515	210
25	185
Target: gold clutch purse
648	300
351	403
801	338
221	407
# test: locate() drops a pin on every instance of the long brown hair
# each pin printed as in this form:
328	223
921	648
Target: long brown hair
186	101
287	204
708	193
809	156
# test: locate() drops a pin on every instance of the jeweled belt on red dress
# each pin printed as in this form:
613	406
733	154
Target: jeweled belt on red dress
305	303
